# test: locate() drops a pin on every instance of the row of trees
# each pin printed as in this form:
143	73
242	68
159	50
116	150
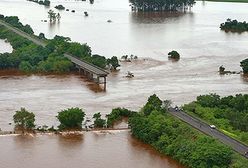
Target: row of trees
229	113
161	5
234	26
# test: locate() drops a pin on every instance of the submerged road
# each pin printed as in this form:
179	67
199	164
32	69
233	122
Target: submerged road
205	128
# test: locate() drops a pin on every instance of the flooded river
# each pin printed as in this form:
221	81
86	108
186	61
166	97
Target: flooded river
91	150
195	35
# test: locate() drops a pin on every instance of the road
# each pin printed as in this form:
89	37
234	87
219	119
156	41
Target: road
205	128
23	34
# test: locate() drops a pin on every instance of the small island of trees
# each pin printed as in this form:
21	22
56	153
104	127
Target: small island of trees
161	5
174	55
234	26
60	7
45	2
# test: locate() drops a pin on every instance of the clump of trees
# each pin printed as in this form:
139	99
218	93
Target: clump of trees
14	21
59	7
41	2
161	5
24	120
53	17
234	26
71	118
244	65
174	55
229	113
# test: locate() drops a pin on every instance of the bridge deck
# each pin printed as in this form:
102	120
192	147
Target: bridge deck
88	67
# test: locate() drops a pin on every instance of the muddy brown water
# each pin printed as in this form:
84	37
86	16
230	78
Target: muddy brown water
90	150
196	35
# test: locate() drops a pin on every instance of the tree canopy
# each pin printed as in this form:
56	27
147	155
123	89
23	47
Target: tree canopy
71	118
234	26
24	119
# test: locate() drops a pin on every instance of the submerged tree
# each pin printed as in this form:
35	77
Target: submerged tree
244	65
52	15
99	122
161	5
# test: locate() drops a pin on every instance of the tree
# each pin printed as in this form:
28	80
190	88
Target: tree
25	66
46	2
153	104
24	119
71	118
174	55
58	16
114	62
51	15
99	122
41	36
244	65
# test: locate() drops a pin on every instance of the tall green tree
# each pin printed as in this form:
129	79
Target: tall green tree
71	118
24	119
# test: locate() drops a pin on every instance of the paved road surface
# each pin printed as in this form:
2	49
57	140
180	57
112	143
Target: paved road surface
205	128
23	34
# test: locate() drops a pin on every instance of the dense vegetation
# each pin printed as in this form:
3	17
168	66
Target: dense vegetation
229	114
41	2
234	26
244	65
71	118
161	5
175	138
24	119
29	57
